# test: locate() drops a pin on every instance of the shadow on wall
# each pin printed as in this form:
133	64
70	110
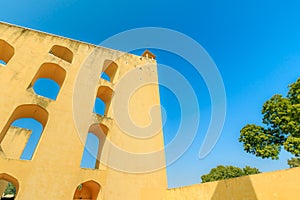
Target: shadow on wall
237	188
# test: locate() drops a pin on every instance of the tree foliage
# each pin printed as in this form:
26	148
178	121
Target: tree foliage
225	172
10	189
294	162
281	119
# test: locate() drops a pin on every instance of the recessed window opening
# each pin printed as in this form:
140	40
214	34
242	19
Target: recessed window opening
62	53
90	152
48	80
109	70
99	107
21	134
9	187
103	100
95	140
88	190
7	51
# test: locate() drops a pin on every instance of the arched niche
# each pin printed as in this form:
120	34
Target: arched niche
99	131
88	190
25	111
5	180
104	94
53	76
7	51
62	53
109	70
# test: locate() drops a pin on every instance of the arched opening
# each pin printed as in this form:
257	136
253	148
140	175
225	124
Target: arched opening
47	88
62	52
109	70
9	187
48	80
90	152
7	51
99	107
88	190
18	142
93	146
105	76
103	100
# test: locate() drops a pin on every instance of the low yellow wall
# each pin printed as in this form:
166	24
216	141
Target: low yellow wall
3	186
14	142
284	184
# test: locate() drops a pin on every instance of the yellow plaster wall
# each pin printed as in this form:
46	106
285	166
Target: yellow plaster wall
54	171
278	185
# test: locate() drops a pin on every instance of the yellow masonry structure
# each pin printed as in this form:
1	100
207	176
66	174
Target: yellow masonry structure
54	171
130	163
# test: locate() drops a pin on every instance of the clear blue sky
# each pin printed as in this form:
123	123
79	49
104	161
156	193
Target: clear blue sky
255	44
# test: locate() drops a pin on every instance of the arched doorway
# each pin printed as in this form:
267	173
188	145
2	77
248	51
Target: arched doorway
88	191
9	187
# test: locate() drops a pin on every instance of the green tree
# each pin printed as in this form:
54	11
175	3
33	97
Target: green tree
281	119
250	170
294	162
225	172
10	189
